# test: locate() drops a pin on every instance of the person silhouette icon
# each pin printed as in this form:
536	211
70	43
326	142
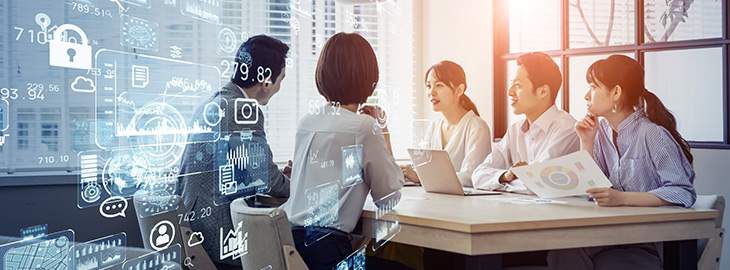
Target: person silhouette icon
163	238
161	235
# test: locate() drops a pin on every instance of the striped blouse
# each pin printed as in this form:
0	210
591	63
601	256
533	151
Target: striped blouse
649	160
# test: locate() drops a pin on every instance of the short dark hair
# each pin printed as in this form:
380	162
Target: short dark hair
347	70
259	51
541	70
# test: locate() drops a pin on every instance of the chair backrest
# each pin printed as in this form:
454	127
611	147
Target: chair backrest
716	202
269	228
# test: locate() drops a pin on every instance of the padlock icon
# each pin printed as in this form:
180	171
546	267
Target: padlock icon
65	53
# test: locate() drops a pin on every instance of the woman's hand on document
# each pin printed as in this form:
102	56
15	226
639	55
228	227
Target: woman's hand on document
606	196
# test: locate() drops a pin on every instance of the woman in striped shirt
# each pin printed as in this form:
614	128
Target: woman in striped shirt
636	144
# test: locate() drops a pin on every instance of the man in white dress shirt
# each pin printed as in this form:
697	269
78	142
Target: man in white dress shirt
545	133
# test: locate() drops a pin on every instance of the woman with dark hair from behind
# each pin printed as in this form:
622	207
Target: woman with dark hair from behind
634	140
460	131
346	75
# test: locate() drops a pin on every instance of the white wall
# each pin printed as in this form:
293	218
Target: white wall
461	30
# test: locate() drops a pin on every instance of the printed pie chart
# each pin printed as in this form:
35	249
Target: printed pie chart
559	177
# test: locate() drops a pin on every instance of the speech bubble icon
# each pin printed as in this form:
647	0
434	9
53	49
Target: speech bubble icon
113	207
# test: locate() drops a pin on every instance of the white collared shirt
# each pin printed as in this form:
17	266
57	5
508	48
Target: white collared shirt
468	146
318	166
551	135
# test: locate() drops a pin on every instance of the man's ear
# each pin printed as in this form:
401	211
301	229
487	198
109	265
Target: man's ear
265	88
258	90
544	91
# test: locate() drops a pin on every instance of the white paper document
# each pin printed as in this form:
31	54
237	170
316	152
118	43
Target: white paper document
568	175
526	201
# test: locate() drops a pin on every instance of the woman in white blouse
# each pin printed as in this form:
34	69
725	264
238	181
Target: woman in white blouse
460	131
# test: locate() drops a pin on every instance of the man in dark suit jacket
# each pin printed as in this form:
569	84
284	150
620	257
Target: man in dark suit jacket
240	162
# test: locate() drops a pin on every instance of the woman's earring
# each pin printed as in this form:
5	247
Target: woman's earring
614	109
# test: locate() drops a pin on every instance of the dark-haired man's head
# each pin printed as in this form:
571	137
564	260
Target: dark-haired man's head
260	67
347	70
535	86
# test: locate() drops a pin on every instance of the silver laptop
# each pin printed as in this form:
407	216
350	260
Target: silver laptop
437	174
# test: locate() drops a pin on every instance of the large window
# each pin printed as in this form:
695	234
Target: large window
306	27
50	113
683	46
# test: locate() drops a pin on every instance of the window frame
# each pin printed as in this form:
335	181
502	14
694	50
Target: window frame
502	56
62	132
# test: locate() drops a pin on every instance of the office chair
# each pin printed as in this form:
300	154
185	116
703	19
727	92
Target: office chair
709	250
269	228
193	257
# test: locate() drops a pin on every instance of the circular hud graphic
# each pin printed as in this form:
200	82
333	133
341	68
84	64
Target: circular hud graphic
124	173
166	133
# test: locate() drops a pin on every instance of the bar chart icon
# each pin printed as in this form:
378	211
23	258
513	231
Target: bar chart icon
89	168
90	189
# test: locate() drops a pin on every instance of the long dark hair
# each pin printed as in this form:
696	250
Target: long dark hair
621	70
453	74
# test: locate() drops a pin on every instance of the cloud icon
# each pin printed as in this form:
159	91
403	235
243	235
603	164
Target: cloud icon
195	239
83	85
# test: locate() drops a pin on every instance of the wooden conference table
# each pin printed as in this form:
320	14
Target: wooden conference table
485	226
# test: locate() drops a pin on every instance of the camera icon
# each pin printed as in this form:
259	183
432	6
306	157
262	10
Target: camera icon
246	111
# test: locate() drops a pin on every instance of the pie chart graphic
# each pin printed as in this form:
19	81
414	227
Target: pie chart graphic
559	177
